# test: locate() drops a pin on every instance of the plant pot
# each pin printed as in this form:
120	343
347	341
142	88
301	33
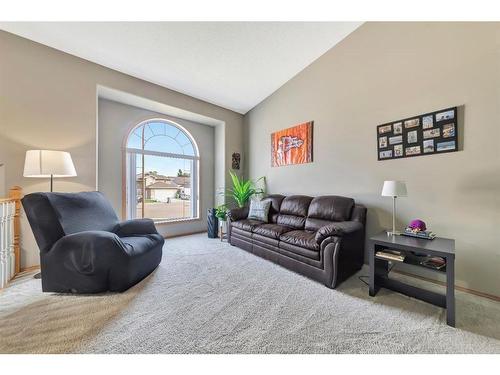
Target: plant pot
222	229
212	224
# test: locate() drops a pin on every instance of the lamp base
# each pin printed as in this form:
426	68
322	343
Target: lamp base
393	233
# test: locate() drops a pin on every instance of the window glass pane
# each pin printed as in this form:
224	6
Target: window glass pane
134	140
158	128
188	149
163	144
147	131
182	139
171	130
167	188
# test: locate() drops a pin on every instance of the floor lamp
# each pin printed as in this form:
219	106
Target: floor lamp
394	189
48	164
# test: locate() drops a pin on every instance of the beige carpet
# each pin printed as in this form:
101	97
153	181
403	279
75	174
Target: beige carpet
209	297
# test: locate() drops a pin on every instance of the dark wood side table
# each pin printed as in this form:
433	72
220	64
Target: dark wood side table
414	249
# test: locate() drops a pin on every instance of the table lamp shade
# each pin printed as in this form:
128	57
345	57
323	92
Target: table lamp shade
47	163
394	189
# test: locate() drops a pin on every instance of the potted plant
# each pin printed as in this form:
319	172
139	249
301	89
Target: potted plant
221	215
243	190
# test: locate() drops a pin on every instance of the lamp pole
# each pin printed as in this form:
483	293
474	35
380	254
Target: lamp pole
394	215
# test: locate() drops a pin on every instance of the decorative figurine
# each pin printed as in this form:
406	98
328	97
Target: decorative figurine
417	225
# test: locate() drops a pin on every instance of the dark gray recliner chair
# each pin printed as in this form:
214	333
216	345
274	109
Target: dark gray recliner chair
84	248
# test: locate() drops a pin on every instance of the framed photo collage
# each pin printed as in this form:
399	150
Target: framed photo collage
430	133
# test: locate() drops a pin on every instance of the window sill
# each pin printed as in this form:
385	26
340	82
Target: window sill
176	221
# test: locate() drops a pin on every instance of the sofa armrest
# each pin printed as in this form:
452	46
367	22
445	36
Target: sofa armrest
135	227
337	229
236	214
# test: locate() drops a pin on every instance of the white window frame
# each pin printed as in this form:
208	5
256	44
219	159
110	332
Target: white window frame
130	180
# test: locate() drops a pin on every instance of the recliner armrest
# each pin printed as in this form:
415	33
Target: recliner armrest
236	214
135	227
86	250
337	229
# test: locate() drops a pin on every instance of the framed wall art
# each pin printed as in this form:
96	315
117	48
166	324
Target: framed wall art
430	133
235	160
292	145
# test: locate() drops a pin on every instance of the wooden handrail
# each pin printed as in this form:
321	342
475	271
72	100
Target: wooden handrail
16	193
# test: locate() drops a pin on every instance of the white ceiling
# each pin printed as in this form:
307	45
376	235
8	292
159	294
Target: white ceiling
232	64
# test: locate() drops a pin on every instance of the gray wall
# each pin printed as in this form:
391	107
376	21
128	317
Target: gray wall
115	121
380	73
49	100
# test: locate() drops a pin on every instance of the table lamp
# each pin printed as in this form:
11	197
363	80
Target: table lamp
394	189
47	163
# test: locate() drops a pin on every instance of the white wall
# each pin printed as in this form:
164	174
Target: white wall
383	72
115	120
49	100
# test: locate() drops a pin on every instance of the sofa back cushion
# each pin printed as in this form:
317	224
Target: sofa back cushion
293	211
274	210
326	209
359	214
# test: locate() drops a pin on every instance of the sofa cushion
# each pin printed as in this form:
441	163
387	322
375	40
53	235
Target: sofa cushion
300	253
246	224
259	210
327	209
293	211
296	205
301	238
274	210
296	222
331	208
237	232
257	239
271	230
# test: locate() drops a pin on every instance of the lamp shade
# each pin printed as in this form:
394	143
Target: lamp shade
46	163
394	189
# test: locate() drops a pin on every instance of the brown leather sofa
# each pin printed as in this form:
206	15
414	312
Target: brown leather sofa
321	238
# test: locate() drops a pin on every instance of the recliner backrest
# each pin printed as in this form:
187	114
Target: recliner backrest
274	210
43	220
79	212
54	215
293	211
326	209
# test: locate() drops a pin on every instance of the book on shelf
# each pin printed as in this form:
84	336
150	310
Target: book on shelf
393	255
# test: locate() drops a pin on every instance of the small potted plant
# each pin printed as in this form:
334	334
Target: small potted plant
221	215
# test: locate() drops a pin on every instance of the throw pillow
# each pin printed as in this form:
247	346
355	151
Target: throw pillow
259	210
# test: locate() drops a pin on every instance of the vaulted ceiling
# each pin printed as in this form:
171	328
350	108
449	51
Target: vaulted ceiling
231	64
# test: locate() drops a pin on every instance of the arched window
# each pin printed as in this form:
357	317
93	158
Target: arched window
161	172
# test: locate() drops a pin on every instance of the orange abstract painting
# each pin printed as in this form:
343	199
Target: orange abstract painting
292	145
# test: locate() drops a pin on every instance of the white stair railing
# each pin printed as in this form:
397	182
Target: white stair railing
9	236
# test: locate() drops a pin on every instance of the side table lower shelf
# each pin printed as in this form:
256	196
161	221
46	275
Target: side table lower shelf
410	291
